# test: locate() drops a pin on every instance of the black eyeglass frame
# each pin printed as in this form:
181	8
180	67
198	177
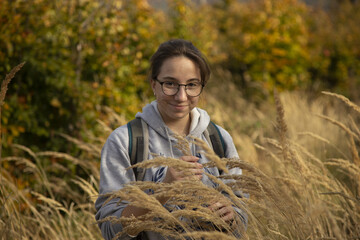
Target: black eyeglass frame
185	85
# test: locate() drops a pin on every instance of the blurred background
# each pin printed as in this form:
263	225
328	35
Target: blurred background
81	55
85	74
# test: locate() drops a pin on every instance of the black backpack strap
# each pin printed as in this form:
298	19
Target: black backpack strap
138	148
138	141
142	236
216	139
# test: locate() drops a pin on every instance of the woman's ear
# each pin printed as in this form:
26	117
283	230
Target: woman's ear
153	84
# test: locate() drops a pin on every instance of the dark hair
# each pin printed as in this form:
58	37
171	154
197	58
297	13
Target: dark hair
175	48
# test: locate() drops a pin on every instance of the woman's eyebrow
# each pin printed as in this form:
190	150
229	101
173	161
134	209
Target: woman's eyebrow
193	80
175	79
169	78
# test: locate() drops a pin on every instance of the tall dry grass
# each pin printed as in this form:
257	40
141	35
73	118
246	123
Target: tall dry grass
299	189
42	210
300	161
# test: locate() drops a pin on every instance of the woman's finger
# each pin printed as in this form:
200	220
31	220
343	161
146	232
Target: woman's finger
189	159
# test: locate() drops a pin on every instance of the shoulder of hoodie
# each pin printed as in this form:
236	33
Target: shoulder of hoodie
119	137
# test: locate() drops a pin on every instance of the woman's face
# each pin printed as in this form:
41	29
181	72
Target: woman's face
180	70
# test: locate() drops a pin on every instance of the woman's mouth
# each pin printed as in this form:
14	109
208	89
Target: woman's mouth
179	107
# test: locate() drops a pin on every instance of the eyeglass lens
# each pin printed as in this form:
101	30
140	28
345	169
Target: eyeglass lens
191	89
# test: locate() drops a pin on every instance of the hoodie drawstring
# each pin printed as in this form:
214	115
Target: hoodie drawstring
169	140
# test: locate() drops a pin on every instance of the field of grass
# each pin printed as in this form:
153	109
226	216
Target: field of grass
300	161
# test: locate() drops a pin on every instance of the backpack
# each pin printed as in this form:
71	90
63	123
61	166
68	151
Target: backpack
139	143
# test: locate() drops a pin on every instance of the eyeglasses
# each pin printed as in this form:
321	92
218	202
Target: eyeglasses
170	88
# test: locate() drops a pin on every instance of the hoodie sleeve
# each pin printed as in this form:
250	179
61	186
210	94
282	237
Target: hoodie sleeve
113	176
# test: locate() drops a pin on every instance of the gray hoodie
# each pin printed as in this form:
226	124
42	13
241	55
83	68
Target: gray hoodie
115	159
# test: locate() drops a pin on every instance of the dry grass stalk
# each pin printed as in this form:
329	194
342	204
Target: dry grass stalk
342	195
89	188
211	155
60	156
245	166
6	81
353	169
89	148
114	118
344	99
183	145
268	152
355	127
289	155
308	154
30	166
86	165
3	90
274	143
316	136
281	127
104	126
212	235
158	161
50	201
341	125
354	152
356	160
42	174
25	149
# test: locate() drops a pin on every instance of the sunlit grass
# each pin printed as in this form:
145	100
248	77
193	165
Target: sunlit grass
300	166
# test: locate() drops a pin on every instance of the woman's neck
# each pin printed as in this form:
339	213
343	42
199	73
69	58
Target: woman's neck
181	126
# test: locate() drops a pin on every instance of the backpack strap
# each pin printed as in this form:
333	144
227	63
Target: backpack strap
216	139
138	144
141	236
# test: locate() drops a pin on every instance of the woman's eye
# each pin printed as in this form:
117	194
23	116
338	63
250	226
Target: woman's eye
193	85
169	84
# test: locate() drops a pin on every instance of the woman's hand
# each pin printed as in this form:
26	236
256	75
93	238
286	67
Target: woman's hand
193	173
223	209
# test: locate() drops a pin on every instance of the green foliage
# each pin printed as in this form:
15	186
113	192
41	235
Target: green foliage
266	43
335	45
80	55
195	22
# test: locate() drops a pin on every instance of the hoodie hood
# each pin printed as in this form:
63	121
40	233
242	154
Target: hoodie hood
151	115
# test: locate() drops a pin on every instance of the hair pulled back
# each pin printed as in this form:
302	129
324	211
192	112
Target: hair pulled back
176	48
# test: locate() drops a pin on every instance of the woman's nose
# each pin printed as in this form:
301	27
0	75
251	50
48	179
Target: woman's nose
181	94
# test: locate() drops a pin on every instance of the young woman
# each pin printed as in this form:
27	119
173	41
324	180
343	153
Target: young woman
178	74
